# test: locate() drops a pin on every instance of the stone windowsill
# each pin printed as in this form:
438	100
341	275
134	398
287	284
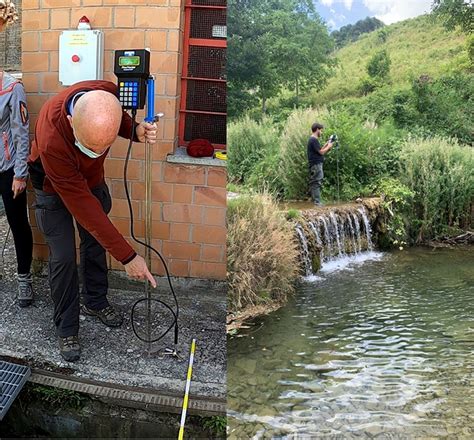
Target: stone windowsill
180	156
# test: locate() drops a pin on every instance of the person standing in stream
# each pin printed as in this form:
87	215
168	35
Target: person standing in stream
315	161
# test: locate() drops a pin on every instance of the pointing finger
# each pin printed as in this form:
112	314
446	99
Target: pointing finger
150	278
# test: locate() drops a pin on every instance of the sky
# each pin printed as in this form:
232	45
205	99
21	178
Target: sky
338	13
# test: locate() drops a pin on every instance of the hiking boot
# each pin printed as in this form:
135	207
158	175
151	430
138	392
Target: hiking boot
318	204
69	348
108	315
25	289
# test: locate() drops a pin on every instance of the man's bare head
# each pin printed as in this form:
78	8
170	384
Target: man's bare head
96	120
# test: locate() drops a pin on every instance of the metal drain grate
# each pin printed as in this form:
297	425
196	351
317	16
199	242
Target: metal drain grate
12	379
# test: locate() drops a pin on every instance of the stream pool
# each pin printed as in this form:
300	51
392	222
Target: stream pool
382	349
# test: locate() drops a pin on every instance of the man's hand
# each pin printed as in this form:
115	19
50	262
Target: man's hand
137	270
18	187
146	132
327	146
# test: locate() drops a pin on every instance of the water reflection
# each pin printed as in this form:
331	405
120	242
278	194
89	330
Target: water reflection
385	348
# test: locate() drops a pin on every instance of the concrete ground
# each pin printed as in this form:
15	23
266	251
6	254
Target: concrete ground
116	356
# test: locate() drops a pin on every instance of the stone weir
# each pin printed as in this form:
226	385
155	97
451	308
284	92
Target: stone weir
336	231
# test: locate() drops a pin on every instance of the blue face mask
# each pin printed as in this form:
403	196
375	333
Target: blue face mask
87	152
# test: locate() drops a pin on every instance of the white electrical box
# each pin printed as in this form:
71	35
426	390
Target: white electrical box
81	56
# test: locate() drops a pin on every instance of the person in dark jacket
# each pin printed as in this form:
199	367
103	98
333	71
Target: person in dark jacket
73	134
315	160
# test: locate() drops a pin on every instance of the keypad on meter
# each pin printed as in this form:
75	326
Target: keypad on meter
128	93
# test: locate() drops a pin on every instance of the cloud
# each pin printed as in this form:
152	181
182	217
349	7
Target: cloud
329	3
332	24
348	4
391	11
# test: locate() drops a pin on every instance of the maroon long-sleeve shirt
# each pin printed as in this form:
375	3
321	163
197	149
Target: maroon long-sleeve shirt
57	166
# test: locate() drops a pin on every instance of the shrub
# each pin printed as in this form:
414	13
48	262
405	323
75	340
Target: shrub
262	256
266	174
397	199
248	142
292	214
365	153
293	159
378	66
367	85
470	50
440	172
382	35
444	106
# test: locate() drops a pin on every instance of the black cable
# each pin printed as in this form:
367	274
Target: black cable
132	315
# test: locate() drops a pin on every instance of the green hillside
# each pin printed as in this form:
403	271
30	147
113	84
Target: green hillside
416	47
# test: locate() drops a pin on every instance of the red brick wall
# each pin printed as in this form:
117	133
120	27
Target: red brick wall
188	201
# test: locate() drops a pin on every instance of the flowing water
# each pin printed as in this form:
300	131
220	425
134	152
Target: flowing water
332	235
384	348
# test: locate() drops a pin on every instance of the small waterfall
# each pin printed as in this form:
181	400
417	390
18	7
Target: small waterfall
368	230
304	248
335	227
316	233
357	230
352	234
328	236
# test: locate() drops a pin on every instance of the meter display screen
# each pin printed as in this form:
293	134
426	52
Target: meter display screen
129	61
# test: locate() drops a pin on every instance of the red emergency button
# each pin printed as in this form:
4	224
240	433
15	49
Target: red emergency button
75	58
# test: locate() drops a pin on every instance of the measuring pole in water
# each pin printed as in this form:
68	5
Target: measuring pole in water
186	392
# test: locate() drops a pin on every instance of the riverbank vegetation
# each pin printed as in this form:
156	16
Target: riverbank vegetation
262	256
401	103
400	99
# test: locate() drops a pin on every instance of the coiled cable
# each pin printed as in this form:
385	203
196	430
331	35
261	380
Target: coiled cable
175	314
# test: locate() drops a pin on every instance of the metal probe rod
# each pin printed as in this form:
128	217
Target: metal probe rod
150	118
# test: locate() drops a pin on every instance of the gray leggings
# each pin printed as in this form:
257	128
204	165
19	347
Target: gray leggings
56	223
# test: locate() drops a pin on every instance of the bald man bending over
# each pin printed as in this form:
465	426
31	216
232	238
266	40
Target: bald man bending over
73	135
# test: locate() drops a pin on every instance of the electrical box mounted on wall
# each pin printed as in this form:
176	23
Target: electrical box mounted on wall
80	56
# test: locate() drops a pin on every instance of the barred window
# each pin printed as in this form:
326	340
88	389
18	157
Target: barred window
203	107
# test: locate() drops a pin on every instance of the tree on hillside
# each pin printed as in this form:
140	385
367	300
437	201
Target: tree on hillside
378	69
378	66
455	13
352	32
274	43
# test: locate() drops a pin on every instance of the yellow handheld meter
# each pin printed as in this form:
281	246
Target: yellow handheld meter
132	68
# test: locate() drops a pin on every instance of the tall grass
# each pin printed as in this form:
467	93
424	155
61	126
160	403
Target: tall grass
366	151
248	142
262	256
293	157
440	172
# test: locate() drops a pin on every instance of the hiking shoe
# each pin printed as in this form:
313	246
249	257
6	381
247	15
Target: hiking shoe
318	204
25	289
69	348
108	315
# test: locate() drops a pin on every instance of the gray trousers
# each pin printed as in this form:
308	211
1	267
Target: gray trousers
316	177
56	223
